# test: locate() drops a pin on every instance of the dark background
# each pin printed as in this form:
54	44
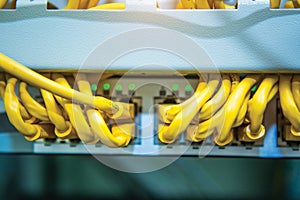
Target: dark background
82	176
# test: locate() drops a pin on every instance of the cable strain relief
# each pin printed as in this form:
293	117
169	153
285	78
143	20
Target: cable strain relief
70	133
228	139
255	136
294	132
162	138
36	136
42	131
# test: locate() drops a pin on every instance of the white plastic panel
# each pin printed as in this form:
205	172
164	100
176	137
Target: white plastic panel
253	37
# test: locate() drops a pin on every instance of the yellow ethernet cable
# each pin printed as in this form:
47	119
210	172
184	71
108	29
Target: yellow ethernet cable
90	131
92	3
257	106
30	131
97	122
169	134
13	4
188	4
37	80
110	6
171	111
75	113
24	113
296	3
289	4
179	5
72	4
288	104
34	108
211	113
63	128
106	137
2	3
240	118
275	4
204	4
233	106
218	100
207	127
296	89
83	4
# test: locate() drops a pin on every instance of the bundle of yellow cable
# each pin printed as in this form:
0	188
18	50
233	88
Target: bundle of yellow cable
81	4
204	4
65	119
267	89
178	117
93	5
210	114
292	4
235	109
289	92
219	111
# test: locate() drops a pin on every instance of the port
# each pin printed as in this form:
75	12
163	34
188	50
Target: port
166	98
121	90
285	136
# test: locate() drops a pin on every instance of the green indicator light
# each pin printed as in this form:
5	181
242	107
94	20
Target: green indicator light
253	88
131	86
94	87
188	88
175	87
119	87
106	86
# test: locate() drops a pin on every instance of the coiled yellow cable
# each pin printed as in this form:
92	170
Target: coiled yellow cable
37	80
90	131
188	111
210	113
204	4
33	107
98	123
218	100
75	114
296	89
215	107
288	104
232	109
24	113
257	105
30	131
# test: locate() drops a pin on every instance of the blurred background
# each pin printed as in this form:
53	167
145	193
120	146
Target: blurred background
81	177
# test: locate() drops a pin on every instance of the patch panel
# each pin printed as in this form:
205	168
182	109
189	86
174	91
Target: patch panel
153	74
147	141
